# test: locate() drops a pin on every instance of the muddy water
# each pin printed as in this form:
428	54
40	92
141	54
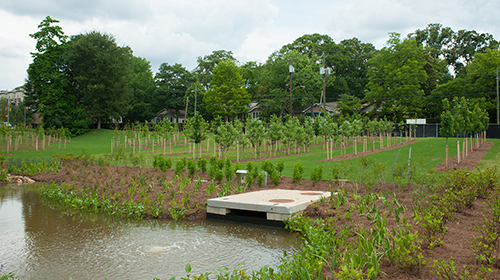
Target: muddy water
37	242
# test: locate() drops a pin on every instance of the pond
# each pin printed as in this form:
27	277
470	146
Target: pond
38	242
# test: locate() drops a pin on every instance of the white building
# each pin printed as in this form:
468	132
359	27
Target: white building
15	96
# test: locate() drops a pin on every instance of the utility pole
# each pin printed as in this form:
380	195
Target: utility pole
8	109
195	92
324	84
291	70
186	114
324	71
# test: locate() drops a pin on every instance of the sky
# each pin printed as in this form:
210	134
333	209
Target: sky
176	31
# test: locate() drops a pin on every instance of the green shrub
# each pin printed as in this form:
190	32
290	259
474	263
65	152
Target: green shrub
179	166
202	164
317	174
267	166
275	178
162	163
280	166
192	167
298	172
260	179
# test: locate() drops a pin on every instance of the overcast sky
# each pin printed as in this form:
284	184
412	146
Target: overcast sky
176	31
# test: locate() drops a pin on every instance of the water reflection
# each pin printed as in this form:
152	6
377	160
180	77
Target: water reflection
43	243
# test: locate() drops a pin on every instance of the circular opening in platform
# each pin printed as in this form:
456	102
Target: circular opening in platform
311	193
281	200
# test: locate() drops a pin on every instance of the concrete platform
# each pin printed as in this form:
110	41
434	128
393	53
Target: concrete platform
276	204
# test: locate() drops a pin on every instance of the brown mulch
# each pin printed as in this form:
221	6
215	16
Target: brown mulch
469	162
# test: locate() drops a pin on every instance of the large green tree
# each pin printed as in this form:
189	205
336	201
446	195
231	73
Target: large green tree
49	88
101	72
478	82
456	48
207	64
481	76
350	64
228	95
348	59
396	76
274	93
142	104
172	84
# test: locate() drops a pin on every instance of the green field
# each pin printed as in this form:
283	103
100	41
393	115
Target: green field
427	153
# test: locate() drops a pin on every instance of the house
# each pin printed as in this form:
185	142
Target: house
317	109
254	110
174	116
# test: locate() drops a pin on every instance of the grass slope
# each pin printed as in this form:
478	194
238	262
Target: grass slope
429	151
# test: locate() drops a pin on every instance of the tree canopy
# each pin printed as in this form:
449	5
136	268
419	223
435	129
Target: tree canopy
395	78
228	96
88	79
101	74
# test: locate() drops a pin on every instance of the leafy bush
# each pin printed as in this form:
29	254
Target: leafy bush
275	178
162	163
228	170
280	166
317	174
179	166
260	179
192	167
298	172
267	166
202	164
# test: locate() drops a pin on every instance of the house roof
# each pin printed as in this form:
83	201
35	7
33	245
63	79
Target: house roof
171	112
329	106
253	106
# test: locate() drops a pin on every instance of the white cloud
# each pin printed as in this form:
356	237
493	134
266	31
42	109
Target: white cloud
175	31
371	21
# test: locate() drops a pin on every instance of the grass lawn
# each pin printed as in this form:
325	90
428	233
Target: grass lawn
429	152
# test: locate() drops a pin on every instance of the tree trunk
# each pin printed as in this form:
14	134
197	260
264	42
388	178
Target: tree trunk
446	155
327	151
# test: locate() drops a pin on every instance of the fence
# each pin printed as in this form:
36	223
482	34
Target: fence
432	130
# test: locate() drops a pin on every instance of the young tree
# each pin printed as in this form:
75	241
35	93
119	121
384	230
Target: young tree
256	133
196	129
275	132
226	136
447	127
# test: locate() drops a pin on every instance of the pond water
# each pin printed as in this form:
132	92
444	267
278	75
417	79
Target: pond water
37	242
